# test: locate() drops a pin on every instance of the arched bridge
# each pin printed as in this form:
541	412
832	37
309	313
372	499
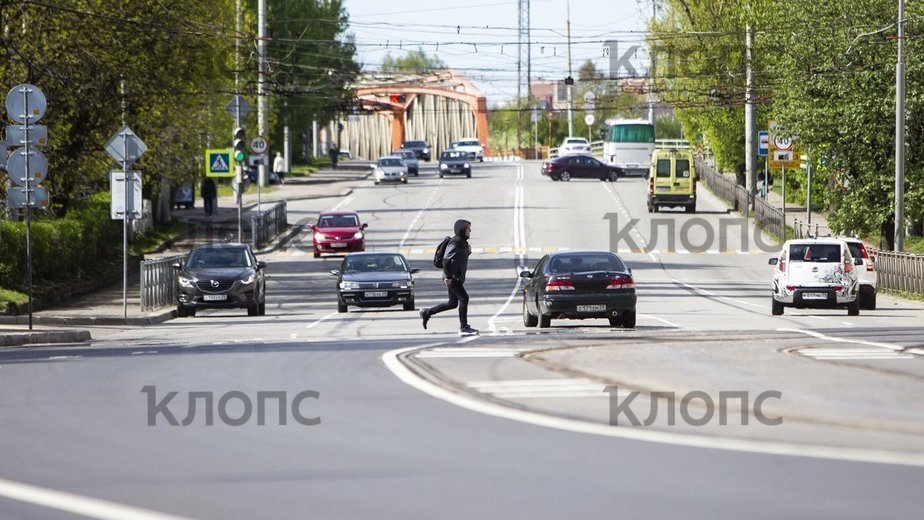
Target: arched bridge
438	108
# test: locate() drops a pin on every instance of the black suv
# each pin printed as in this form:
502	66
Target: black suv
220	276
420	148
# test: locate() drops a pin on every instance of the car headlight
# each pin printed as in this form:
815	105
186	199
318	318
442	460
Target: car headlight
319	236
358	234
403	285
426	150
247	280
466	165
349	286
185	281
443	166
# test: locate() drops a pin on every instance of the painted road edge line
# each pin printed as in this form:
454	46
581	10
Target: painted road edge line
392	361
77	504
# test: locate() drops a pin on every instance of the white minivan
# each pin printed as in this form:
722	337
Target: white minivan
815	273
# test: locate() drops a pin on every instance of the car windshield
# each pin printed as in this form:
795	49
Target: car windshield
406	154
576	141
415	144
469	143
219	257
814	253
338	221
374	263
452	155
390	161
586	262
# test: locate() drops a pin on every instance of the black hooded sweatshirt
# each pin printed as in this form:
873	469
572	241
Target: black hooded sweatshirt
455	259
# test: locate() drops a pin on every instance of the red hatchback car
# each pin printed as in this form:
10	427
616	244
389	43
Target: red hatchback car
338	232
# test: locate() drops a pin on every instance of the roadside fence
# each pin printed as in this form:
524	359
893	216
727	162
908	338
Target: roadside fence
768	217
267	224
899	271
158	282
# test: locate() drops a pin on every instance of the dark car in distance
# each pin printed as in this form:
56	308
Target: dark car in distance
374	280
420	148
574	166
455	162
220	276
579	285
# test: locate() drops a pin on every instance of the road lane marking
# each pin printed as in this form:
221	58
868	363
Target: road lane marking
77	504
622	207
416	217
662	320
318	322
471	352
519	242
541	388
712	294
833	339
342	203
393	362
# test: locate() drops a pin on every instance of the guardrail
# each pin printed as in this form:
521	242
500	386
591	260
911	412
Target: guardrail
899	271
267	224
158	285
767	216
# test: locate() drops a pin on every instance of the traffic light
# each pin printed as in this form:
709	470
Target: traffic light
240	144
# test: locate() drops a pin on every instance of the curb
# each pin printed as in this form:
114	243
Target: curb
152	319
15	339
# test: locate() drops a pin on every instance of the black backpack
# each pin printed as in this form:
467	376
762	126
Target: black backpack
440	251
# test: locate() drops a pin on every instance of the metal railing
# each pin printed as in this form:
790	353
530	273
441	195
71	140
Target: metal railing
899	271
158	282
768	217
267	224
596	149
802	229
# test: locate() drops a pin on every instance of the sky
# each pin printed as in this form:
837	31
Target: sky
479	37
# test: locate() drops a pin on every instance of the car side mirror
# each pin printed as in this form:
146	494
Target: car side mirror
629	269
371	166
365	226
857	261
335	272
261	265
773	261
415	270
176	265
526	274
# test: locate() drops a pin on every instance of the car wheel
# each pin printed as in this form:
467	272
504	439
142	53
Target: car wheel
853	308
777	307
341	307
545	321
613	176
528	319
689	209
656	208
409	306
441	175
468	174
253	310
181	311
628	320
565	176
553	177
261	309
317	254
871	303
376	183
615	322
404	180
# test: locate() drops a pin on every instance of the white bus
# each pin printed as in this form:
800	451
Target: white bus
629	144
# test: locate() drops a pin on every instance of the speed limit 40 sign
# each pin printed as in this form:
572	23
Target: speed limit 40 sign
783	150
259	145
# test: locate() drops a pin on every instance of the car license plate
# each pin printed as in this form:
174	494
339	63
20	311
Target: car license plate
376	294
338	244
591	308
214	297
664	188
814	296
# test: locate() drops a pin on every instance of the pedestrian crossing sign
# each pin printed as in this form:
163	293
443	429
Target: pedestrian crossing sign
219	163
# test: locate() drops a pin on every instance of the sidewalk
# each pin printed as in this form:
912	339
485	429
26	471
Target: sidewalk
106	308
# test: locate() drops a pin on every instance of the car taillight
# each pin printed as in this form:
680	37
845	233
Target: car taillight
650	183
559	284
866	259
790	288
693	185
838	288
782	267
620	282
547	166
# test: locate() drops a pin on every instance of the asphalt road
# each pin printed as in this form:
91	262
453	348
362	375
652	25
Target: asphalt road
414	423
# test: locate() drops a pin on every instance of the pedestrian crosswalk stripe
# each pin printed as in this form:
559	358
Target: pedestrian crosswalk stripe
540	388
471	352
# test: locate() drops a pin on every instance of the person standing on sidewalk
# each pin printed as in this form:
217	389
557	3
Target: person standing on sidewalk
209	193
279	168
455	267
334	152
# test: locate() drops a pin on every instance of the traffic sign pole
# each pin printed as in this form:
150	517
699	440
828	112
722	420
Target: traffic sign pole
28	177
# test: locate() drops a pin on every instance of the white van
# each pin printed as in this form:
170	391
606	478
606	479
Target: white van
815	273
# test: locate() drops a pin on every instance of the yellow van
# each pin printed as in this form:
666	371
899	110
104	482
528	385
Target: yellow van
672	180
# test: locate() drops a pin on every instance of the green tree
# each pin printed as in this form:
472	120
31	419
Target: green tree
413	61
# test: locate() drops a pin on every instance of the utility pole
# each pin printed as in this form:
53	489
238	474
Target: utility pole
750	120
900	133
239	26
651	67
262	99
570	84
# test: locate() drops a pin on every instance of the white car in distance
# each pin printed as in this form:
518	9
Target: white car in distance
389	169
574	145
